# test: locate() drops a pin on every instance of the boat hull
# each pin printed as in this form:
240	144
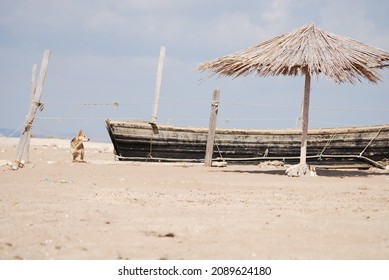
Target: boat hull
134	140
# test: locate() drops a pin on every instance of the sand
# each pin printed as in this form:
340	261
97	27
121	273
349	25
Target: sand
105	209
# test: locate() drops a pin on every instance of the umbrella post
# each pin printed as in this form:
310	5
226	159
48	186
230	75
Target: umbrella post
304	135
302	168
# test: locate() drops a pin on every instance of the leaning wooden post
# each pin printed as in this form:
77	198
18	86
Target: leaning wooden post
26	152
158	84
34	105
212	127
304	135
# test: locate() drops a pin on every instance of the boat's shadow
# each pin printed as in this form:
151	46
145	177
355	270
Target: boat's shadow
350	173
319	172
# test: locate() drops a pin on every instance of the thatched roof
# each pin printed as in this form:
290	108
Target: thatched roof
306	50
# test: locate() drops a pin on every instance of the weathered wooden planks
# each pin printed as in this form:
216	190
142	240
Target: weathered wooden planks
136	140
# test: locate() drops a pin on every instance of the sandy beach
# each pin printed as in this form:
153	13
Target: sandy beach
106	209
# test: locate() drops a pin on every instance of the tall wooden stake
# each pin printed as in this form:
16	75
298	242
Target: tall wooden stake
158	84
34	105
212	127
304	135
26	152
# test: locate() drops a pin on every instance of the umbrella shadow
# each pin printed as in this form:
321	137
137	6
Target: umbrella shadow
349	173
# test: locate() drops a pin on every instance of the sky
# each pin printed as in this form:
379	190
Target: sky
105	51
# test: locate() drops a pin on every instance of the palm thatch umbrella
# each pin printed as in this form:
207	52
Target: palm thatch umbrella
310	51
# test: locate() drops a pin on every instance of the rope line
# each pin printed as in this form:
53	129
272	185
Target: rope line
311	107
169	120
81	118
371	141
218	149
327	145
116	105
16	130
366	159
150	156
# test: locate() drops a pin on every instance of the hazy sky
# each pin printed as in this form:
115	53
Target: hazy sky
106	51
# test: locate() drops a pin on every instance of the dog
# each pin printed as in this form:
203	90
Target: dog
77	146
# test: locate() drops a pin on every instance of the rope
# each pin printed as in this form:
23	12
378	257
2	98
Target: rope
149	156
266	153
28	125
263	119
116	105
40	105
370	161
20	126
160	159
327	145
6	138
217	147
76	118
312	107
371	141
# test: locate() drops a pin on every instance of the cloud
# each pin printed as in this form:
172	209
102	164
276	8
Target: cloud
358	19
334	13
276	11
106	20
120	26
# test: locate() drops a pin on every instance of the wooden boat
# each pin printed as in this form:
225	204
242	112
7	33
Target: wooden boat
137	140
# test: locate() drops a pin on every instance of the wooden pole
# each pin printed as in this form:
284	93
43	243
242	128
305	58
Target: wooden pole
212	127
26	152
34	105
300	119
33	82
158	84
304	135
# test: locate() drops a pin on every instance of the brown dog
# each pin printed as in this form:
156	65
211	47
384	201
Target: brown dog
77	146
